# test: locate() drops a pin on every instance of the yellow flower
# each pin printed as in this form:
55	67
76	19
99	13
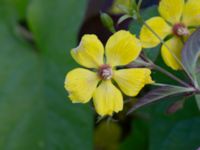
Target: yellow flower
83	84
177	19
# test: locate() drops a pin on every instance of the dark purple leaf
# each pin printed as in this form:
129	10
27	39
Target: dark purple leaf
190	58
191	52
158	94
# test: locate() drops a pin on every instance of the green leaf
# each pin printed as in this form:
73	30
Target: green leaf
21	97
19	6
35	113
135	27
198	100
183	129
175	132
157	94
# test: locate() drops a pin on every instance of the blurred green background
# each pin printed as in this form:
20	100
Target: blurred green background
35	114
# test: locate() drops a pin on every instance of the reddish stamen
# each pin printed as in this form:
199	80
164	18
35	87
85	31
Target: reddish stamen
105	72
180	29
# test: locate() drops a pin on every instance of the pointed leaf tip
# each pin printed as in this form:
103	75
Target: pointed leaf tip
157	94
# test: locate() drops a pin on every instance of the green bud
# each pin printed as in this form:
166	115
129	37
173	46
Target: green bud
107	22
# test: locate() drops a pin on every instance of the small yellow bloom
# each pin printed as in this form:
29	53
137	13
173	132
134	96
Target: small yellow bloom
83	84
177	18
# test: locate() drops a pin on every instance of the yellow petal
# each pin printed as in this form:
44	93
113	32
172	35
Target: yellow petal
81	84
191	13
131	81
90	52
107	99
176	46
171	10
159	26
122	48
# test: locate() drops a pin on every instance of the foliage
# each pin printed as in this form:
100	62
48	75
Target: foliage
166	131
35	114
34	110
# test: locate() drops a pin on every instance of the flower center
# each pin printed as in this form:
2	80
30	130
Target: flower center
105	72
180	29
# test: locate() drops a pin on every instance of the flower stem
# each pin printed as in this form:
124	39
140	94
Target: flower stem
156	67
170	75
147	62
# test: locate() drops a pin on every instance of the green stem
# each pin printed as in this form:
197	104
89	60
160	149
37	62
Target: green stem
170	75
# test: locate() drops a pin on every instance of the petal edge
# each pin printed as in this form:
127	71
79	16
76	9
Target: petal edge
81	84
159	26
122	48
191	13
131	81
90	52
171	10
107	99
176	46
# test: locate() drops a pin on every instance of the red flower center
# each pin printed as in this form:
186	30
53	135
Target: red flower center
105	72
180	29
